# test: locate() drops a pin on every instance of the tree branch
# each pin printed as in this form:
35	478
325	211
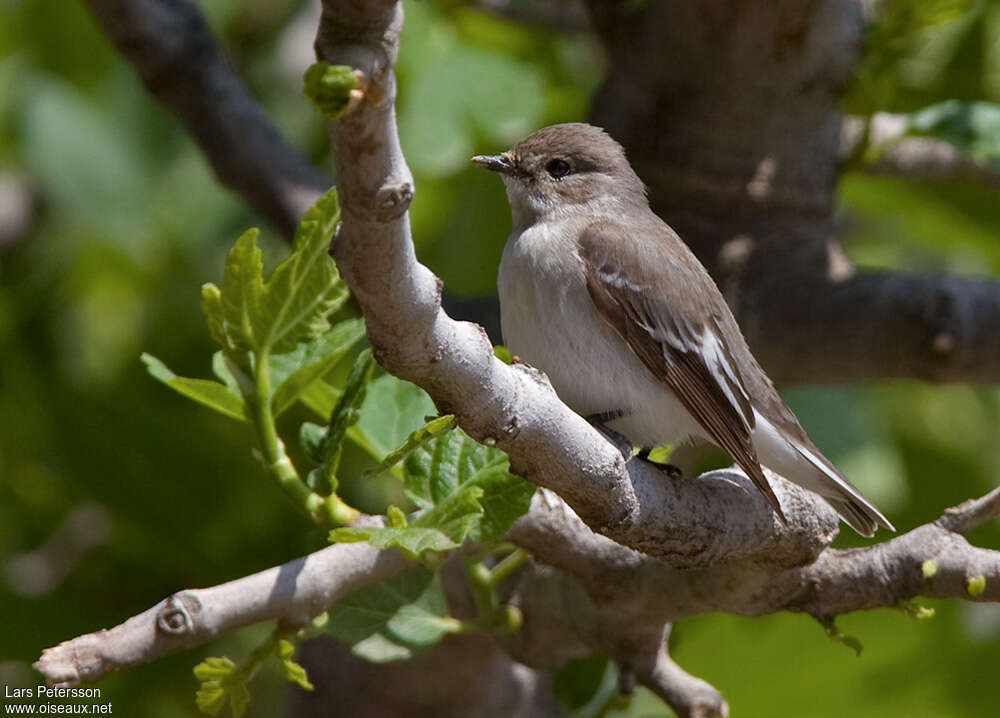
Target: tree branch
868	324
171	47
689	696
606	599
890	573
559	15
291	593
920	158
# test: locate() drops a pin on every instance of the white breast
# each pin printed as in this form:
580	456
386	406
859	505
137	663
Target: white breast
549	321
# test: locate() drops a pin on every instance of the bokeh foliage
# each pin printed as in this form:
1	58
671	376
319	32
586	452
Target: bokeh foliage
130	222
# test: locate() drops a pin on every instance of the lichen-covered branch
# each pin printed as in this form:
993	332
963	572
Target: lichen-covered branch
171	47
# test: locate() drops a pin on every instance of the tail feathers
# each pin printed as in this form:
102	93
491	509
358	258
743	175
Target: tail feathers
864	519
846	500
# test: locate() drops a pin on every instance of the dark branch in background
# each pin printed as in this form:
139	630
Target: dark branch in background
171	47
744	164
873	324
559	15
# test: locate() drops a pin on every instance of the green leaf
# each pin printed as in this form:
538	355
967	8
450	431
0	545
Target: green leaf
329	87
973	127
395	619
306	287
214	668
224	374
395	517
293	671
311	361
505	499
660	454
503	354
80	149
344	415
441	528
242	286
411	540
451	462
215	673
456	516
455	106
312	436
204	391
239	698
293	304
215	315
585	686
392	409
210	698
429	431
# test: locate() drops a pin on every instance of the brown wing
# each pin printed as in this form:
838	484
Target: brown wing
687	351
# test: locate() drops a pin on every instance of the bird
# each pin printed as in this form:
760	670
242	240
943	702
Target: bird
600	294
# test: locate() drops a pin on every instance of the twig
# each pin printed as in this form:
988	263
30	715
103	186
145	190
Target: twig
291	593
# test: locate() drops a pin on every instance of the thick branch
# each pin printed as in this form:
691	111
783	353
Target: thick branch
291	593
630	588
875	324
689	696
888	574
172	49
607	599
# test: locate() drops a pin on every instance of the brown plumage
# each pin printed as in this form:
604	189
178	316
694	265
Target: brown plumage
603	296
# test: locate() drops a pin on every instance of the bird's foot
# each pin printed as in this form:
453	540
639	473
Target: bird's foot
671	470
620	441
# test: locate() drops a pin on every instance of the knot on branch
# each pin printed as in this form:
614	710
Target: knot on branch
391	201
174	618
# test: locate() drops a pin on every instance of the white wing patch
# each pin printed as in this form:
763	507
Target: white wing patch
719	363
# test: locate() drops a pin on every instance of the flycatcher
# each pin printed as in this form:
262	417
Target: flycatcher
600	294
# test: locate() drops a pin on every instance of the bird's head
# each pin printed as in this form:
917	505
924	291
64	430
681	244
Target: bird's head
565	169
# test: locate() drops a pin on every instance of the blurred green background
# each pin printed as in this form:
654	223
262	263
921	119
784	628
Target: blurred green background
126	221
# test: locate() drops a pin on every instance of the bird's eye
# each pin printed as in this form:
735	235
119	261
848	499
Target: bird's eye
557	168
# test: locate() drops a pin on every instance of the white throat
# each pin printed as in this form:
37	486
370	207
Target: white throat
529	207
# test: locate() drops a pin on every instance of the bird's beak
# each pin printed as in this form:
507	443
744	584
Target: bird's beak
498	163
